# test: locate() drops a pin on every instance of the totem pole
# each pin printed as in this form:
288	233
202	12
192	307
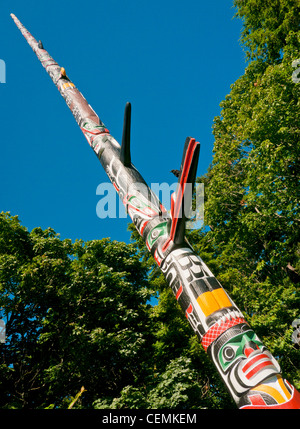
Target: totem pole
251	374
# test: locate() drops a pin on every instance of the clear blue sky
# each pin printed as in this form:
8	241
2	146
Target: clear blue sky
173	60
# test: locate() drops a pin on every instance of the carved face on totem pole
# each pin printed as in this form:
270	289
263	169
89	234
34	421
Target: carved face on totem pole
242	359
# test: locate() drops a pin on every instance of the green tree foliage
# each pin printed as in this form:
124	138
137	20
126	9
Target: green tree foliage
77	315
267	25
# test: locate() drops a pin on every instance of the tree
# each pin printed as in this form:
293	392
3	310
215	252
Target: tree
77	315
267	26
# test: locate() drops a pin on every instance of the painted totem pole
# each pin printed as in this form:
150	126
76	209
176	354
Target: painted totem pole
250	372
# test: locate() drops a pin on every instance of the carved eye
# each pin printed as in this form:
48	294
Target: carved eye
155	233
228	353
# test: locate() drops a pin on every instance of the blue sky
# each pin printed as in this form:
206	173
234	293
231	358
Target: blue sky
173	60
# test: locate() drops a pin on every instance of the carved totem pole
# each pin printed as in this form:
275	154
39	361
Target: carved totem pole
251	374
